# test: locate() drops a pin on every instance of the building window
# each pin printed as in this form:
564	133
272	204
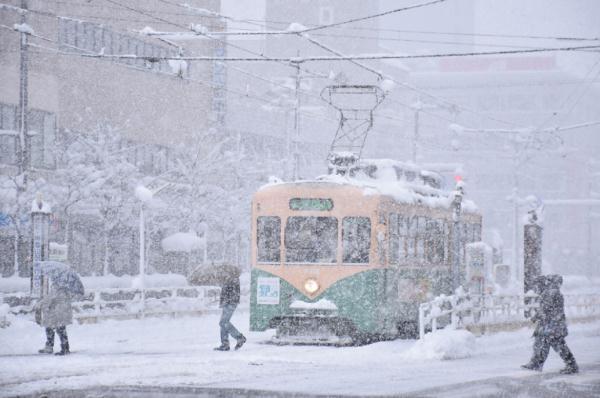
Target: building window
8	134
41	127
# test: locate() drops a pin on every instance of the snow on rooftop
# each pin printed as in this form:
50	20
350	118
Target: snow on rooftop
296	27
39	206
23	28
384	180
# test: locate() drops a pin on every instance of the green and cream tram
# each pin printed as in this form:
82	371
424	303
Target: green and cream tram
349	259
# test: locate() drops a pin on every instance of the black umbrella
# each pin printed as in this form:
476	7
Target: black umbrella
213	275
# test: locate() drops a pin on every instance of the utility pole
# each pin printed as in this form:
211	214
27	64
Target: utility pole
23	151
296	140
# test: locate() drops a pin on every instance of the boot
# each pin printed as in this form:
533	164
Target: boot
240	343
64	349
532	366
46	350
222	347
570	369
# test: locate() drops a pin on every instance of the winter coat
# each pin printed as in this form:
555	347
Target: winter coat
230	292
550	317
54	310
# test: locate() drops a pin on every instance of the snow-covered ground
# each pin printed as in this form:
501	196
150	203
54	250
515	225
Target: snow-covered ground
179	352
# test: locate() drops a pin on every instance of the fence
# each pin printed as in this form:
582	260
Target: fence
462	310
126	303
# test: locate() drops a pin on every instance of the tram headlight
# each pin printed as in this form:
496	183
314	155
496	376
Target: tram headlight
311	286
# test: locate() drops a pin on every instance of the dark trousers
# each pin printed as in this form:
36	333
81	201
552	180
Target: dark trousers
62	334
541	348
227	327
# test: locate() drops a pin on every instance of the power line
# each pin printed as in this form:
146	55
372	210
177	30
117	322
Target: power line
300	60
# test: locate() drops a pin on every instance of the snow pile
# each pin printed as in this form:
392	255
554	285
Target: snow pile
182	242
14	284
443	344
143	193
387	85
39	206
322	304
23	28
147	30
296	27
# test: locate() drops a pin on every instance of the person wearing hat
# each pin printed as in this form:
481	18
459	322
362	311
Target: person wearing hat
551	326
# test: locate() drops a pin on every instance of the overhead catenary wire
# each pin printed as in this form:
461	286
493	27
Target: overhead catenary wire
404	84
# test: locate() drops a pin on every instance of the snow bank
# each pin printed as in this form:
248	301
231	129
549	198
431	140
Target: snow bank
443	344
182	242
14	284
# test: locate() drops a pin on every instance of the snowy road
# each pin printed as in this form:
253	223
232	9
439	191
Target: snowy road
142	355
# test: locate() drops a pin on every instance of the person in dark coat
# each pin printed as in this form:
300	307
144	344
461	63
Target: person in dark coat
551	326
54	312
229	299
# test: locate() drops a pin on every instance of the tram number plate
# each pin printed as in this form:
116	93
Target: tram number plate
267	291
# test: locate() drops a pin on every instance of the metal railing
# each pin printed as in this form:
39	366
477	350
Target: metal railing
463	310
136	303
124	303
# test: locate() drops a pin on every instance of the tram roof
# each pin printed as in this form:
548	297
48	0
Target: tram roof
382	177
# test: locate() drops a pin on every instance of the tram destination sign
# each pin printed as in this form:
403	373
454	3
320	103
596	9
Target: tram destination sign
318	204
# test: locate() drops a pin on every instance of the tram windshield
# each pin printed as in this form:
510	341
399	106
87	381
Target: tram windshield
311	239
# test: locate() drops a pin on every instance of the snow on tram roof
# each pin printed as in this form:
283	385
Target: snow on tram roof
404	182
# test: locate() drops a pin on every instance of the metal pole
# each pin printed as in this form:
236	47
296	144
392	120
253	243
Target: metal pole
142	244
296	124
456	244
23	152
142	258
515	240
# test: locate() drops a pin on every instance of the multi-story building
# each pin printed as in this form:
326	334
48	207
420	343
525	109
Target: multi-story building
76	84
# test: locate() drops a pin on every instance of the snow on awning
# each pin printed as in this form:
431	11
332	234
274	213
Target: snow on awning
182	242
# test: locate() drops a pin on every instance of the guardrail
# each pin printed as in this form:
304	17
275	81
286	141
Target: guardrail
125	303
463	310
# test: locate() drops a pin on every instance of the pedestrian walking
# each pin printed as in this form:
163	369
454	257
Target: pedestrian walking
228	301
54	312
551	326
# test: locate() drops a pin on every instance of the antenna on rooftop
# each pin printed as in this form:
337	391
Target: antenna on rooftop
356	104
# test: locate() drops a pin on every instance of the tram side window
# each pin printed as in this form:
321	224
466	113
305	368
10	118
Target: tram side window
356	239
268	239
311	239
435	242
397	239
421	237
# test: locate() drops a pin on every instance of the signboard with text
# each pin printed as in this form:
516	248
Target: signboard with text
267	291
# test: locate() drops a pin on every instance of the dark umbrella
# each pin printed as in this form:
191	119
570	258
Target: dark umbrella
213	275
62	277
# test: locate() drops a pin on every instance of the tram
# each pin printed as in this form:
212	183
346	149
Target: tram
348	259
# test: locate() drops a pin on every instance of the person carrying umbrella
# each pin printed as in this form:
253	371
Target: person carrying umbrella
54	311
229	299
